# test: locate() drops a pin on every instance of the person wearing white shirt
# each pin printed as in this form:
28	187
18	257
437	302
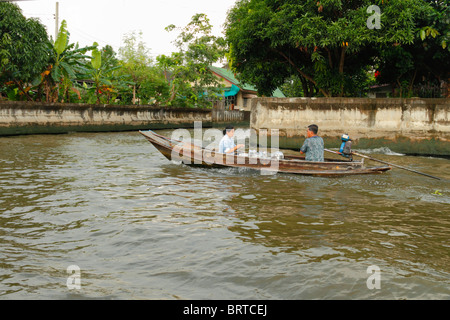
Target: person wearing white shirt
227	144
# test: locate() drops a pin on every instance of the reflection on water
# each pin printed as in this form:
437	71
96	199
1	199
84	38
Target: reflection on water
141	227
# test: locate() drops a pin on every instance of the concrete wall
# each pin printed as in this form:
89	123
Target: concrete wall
221	117
412	126
32	118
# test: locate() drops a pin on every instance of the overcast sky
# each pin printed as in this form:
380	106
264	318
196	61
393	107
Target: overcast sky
107	21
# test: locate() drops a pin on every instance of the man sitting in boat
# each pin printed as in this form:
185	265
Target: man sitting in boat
227	144
313	146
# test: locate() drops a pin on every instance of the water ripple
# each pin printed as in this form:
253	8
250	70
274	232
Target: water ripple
141	227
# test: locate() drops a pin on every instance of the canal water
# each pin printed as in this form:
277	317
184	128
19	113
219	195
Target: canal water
130	224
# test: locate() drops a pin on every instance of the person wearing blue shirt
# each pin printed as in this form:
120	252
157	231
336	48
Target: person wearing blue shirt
227	144
313	146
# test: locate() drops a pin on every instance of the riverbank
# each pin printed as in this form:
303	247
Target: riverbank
18	118
409	126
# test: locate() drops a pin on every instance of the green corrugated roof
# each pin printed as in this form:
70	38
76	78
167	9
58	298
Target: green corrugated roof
229	75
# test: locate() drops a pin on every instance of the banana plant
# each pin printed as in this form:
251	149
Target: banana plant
67	64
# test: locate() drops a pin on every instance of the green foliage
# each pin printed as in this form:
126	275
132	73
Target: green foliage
5	42
135	56
67	63
62	39
103	70
155	89
96	57
189	79
327	43
307	48
23	49
420	67
293	87
137	65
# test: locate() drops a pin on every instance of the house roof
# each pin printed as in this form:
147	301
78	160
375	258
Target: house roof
229	76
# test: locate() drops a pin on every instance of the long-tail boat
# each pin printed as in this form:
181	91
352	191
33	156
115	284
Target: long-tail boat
192	154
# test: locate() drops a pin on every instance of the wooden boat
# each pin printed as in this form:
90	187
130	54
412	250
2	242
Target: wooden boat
191	154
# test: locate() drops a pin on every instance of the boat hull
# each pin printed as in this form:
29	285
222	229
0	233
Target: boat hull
191	154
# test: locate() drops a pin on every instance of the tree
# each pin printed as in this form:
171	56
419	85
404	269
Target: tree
135	60
154	89
23	49
423	67
326	43
187	71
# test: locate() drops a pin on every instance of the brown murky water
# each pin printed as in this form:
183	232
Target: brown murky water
140	227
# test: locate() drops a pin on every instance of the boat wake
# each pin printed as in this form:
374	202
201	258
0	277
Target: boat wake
382	150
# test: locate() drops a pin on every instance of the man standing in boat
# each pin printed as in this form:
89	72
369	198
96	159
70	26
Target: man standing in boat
313	146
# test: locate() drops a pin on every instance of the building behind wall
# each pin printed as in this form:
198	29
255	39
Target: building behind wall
237	95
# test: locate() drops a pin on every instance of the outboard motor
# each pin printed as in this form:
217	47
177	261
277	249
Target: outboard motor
346	146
